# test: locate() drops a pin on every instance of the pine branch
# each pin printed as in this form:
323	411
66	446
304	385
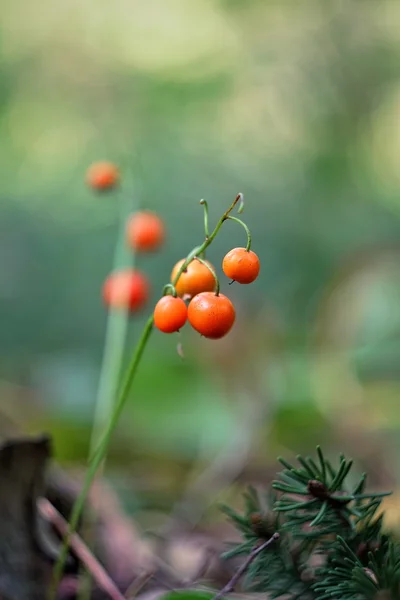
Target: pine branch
331	539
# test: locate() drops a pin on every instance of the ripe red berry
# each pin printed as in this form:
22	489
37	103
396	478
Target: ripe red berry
127	289
102	176
145	231
241	265
170	314
195	278
211	315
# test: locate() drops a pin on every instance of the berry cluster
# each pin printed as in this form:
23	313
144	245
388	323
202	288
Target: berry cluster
193	293
209	312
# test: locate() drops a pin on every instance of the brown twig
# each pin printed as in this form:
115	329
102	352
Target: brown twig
230	586
98	573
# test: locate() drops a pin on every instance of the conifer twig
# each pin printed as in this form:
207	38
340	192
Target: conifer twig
230	586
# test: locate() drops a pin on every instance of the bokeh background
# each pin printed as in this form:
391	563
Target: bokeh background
294	104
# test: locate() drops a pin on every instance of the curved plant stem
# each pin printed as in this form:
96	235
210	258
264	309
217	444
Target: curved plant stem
248	246
213	273
169	289
205	206
100	451
200	249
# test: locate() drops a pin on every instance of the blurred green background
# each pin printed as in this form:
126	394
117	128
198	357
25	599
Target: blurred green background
295	104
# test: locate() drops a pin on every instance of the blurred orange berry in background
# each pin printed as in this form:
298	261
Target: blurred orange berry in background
145	231
170	314
126	289
102	176
211	315
241	265
195	279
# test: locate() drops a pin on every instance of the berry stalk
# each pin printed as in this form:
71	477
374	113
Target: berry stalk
247	230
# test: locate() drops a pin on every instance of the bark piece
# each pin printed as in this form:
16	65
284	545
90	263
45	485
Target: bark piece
24	569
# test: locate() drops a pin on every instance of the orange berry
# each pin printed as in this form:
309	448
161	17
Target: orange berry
102	176
241	265
127	289
211	315
145	231
170	314
195	279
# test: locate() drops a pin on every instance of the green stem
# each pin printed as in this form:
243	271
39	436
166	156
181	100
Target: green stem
114	345
117	325
209	267
247	230
169	289
98	456
200	249
99	453
205	205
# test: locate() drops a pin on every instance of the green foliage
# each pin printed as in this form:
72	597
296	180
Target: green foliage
331	539
348	576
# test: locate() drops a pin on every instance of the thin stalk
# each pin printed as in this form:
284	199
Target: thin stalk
99	454
247	230
114	345
205	206
199	249
169	289
213	273
116	330
101	450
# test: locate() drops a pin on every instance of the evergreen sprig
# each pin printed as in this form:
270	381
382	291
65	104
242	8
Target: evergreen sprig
347	576
331	541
